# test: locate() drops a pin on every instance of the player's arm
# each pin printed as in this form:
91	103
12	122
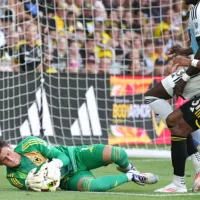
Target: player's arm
58	158
178	50
16	181
181	61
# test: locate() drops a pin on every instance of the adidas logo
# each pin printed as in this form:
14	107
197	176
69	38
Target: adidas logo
32	125
88	122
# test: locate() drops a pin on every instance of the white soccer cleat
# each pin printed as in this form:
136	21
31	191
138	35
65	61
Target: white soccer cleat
196	186
172	188
142	178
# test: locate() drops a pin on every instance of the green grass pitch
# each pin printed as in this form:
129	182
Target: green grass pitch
161	167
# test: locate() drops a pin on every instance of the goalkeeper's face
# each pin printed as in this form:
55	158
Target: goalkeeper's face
9	158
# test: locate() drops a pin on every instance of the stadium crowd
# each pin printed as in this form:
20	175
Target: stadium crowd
91	36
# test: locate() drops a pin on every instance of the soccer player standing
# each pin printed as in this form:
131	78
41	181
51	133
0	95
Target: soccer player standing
183	83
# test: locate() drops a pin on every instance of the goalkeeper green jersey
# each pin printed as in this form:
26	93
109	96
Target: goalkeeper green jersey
34	153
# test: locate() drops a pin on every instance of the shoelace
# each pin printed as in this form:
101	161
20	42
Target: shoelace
139	178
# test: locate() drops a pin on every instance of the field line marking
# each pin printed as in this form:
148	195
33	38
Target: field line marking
145	195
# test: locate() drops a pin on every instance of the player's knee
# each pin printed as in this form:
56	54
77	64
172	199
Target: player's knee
174	118
118	155
149	99
107	154
171	120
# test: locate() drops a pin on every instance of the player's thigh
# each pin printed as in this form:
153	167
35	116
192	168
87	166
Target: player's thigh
191	113
174	117
158	91
74	183
170	81
94	156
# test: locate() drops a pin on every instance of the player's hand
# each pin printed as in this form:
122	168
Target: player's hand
179	88
34	180
181	61
175	50
53	169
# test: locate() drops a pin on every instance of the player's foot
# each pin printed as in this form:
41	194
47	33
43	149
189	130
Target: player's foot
125	170
172	188
142	178
196	186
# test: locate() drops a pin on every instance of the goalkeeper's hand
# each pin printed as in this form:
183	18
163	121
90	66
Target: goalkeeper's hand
34	181
53	169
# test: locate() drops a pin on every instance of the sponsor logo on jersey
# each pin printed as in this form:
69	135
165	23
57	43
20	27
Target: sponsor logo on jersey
36	158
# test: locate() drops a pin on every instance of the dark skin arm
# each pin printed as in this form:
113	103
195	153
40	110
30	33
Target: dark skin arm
191	71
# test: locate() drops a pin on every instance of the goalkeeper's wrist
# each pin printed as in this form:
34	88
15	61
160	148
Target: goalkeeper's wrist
186	77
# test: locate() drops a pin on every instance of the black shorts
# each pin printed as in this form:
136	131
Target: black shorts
191	112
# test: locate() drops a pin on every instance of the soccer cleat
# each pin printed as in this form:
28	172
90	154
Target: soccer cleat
125	170
196	186
172	188
142	178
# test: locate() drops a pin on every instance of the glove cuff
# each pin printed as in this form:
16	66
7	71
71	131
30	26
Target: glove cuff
58	162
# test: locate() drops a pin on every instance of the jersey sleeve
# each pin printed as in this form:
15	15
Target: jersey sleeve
47	150
17	182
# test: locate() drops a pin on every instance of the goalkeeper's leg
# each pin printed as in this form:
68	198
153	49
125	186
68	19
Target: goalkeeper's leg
85	181
94	156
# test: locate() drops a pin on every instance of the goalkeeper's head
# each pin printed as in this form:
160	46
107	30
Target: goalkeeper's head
8	157
188	2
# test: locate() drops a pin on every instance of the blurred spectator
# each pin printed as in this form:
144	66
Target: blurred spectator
160	59
177	35
75	61
100	14
58	58
105	64
92	64
19	10
166	24
100	28
87	17
117	42
90	48
112	20
134	65
147	57
30	53
167	40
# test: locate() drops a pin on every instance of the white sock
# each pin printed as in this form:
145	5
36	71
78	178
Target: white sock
196	161
129	176
179	181
129	167
161	107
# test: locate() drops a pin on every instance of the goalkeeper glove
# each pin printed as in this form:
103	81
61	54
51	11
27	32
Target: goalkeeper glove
53	169
34	181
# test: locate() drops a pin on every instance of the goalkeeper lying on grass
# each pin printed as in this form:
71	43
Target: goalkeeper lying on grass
38	166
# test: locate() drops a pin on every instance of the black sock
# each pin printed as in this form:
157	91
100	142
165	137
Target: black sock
179	154
191	148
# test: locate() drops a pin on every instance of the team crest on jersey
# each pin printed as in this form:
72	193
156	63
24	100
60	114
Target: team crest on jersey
36	158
